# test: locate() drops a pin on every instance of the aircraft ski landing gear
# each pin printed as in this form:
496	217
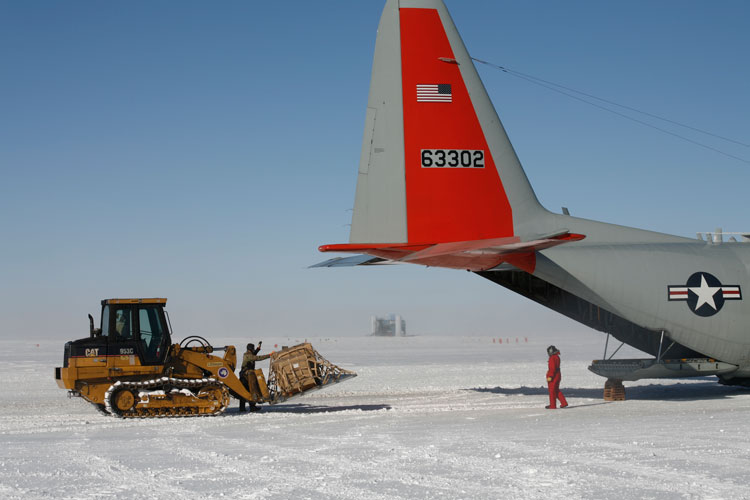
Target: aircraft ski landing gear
618	370
614	390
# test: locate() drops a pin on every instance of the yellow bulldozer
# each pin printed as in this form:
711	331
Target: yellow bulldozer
130	368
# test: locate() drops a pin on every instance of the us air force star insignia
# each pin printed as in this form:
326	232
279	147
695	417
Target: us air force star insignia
704	293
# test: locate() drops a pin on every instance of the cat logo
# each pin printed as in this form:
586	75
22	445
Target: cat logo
92	353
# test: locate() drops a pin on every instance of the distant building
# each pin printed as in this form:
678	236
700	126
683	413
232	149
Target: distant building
392	326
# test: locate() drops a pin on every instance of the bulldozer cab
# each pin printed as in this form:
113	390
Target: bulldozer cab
136	327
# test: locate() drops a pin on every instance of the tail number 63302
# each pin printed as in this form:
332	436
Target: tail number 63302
452	158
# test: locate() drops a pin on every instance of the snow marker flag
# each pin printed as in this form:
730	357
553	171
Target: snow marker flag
438	92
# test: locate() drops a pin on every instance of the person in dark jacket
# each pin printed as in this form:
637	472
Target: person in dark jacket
248	365
553	379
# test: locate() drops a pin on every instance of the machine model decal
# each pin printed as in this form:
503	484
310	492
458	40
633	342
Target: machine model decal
436	92
452	158
704	293
126	350
223	372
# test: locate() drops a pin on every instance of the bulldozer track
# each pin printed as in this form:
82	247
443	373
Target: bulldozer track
166	397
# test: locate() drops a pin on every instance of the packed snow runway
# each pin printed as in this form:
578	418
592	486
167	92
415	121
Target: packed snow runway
427	417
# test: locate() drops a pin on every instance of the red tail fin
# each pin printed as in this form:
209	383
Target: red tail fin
453	190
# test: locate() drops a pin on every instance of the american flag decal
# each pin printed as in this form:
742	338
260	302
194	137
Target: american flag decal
436	92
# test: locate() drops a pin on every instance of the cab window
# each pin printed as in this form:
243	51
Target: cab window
105	321
124	323
151	332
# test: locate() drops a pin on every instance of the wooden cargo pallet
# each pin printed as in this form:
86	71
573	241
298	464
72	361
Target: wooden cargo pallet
299	369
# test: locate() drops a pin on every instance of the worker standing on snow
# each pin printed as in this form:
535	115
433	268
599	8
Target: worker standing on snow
248	366
553	379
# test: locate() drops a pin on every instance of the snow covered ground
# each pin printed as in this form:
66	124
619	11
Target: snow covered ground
427	417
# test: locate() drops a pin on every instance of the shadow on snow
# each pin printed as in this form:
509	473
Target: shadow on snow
661	392
304	408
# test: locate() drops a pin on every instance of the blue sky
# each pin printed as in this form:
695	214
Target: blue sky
201	151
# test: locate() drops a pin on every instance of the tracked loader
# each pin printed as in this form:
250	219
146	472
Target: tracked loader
130	368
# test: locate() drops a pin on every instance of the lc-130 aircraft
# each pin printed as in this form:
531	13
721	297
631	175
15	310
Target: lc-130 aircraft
439	184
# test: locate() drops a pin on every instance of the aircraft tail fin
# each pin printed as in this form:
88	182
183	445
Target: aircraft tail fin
439	183
436	163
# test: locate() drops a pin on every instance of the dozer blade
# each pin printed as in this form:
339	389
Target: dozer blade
301	369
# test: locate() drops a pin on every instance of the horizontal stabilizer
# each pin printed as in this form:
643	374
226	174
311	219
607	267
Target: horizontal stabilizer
495	246
354	260
476	255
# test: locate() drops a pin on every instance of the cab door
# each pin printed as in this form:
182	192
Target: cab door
120	332
152	335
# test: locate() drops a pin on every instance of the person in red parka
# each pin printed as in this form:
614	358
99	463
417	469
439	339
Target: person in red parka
553	379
